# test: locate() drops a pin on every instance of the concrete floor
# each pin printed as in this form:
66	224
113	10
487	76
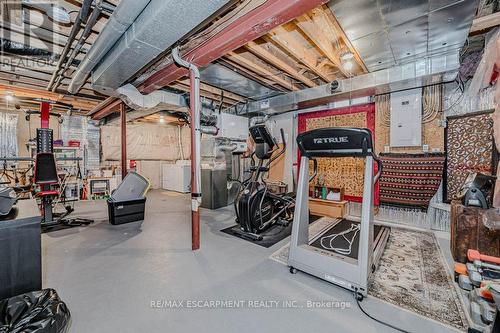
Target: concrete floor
110	275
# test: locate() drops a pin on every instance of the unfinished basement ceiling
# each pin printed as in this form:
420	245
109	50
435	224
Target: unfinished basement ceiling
231	80
306	52
388	33
35	43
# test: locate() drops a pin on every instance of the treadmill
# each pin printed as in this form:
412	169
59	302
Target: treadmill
346	251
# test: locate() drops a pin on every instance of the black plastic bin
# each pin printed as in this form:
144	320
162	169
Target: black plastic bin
121	212
128	201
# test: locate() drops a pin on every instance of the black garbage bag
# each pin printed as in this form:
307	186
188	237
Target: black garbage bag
38	311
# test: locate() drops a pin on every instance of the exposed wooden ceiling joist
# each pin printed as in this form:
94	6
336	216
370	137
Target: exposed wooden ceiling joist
261	70
315	27
264	54
335	25
26	92
284	40
251	75
484	23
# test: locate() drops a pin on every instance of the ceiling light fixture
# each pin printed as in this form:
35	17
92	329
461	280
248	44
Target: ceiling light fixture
348	65
56	13
345	56
9	96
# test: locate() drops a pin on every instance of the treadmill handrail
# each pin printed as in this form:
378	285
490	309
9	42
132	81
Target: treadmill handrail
379	168
315	168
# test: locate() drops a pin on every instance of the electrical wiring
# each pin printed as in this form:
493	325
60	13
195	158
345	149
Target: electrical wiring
377	320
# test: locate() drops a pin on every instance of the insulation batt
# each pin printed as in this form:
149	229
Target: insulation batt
146	142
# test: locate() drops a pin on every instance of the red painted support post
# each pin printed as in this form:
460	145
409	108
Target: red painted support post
123	123
44	114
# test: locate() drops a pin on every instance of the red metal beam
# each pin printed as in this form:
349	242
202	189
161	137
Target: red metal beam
242	30
123	123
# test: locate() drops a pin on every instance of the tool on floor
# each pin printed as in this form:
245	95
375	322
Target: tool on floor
475	255
482	310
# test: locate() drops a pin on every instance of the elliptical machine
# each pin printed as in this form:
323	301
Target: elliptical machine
255	206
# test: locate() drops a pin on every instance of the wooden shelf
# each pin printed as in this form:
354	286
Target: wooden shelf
327	207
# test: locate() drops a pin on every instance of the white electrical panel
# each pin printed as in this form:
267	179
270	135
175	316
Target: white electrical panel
406	118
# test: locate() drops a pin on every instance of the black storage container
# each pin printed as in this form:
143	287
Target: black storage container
128	201
121	212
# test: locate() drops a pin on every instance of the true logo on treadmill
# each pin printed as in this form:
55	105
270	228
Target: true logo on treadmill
339	139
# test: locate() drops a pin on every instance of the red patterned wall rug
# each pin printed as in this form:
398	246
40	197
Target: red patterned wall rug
410	180
341	172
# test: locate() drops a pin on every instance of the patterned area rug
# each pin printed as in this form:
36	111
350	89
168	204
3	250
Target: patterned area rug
410	180
411	274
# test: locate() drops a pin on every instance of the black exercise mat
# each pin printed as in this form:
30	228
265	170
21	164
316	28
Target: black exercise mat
340	241
271	236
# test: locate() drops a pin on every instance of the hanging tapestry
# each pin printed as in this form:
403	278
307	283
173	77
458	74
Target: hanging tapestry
410	180
8	134
470	148
342	172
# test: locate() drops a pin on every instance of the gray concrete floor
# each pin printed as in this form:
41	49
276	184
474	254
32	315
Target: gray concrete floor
110	275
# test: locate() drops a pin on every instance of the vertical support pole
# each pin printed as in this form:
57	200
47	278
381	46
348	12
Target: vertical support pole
195	141
123	123
44	114
195	106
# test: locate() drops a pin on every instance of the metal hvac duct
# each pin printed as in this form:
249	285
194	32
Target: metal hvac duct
121	19
417	74
161	24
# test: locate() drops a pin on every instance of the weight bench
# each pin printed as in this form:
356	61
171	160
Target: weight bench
45	177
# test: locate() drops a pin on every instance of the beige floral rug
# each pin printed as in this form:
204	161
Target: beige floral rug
411	274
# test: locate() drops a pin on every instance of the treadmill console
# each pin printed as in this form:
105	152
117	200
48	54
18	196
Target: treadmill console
336	142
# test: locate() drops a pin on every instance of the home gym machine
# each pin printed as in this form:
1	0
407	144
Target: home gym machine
255	206
345	252
46	176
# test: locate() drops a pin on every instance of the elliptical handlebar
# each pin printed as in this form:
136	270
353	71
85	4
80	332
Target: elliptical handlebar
282	151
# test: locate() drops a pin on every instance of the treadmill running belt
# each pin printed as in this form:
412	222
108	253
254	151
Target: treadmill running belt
328	242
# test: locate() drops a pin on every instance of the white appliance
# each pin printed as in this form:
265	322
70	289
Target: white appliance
232	126
176	177
406	118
